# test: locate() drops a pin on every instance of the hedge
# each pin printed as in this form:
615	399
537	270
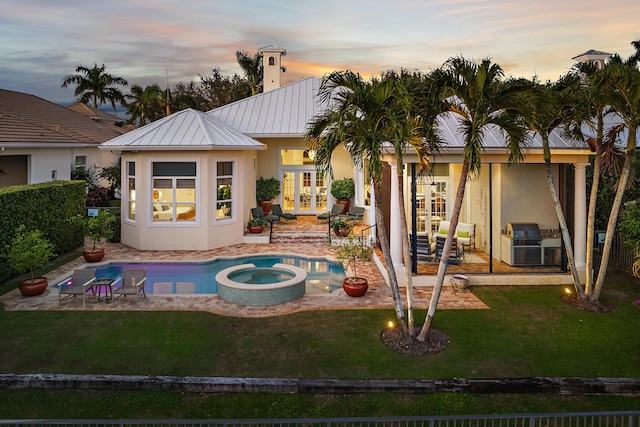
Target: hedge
46	207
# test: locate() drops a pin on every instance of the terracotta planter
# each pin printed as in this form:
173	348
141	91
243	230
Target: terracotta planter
355	286
345	203
342	231
33	286
255	229
266	206
93	256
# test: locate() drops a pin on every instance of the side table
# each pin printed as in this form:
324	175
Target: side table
107	285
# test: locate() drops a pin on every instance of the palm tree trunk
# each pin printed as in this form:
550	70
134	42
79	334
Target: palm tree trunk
591	214
613	218
564	229
444	259
386	252
406	252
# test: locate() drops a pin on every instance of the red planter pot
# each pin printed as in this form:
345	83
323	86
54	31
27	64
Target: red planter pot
93	256
345	203
255	229
355	286
33	286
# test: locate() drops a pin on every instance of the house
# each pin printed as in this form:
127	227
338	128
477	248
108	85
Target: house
41	141
177	171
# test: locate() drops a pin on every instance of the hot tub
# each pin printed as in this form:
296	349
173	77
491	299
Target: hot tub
245	284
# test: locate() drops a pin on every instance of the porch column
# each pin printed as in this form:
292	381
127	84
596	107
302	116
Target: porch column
395	227
359	181
580	218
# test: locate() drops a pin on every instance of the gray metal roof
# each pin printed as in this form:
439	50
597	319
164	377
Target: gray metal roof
185	130
283	112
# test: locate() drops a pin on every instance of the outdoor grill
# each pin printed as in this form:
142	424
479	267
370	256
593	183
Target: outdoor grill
521	244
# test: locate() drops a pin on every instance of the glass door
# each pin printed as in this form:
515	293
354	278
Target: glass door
431	204
304	191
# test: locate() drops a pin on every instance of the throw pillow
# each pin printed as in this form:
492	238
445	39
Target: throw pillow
464	234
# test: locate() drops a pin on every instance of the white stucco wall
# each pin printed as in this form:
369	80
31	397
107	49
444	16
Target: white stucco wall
206	232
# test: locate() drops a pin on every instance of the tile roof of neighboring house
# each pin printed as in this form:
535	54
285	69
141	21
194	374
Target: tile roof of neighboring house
282	112
28	119
185	130
93	113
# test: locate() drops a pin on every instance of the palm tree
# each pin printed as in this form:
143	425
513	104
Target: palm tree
620	84
424	141
142	100
96	86
544	109
252	68
476	94
362	117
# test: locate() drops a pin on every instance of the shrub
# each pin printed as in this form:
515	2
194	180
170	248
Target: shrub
343	189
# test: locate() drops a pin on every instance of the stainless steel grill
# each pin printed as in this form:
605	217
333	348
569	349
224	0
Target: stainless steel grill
521	244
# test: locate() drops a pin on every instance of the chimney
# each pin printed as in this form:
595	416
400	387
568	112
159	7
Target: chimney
593	56
272	66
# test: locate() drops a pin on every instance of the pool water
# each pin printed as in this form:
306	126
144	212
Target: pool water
260	276
323	277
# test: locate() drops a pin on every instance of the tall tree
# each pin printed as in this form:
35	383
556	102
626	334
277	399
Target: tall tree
252	68
478	97
363	115
142	101
95	86
545	108
620	89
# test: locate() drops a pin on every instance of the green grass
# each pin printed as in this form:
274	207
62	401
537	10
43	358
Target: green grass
528	331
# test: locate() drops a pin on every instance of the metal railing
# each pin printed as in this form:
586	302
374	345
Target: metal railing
579	419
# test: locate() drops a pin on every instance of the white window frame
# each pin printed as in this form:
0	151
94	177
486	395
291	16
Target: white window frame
232	200
174	222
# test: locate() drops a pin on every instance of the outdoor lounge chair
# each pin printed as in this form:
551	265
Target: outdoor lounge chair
133	281
276	210
355	214
81	281
336	210
425	248
259	213
455	254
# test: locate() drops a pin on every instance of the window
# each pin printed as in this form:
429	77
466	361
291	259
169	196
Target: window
224	187
272	60
174	191
80	164
131	195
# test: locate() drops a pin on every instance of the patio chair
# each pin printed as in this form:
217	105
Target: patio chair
81	281
336	210
456	254
259	213
133	281
355	214
425	248
276	210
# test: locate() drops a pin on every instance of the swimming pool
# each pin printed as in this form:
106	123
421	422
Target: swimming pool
178	278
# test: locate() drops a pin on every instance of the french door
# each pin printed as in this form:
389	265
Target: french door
431	198
304	191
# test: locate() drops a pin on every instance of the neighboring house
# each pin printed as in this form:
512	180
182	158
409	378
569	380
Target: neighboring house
41	141
178	168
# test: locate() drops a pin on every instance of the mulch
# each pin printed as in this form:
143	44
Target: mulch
586	305
436	342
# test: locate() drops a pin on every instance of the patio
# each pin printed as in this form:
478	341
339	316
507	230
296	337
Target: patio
306	233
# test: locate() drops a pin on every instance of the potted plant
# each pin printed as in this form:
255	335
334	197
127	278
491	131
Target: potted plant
96	227
267	189
342	227
256	225
29	250
343	190
348	253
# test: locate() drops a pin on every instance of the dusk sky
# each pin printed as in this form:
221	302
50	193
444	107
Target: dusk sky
152	41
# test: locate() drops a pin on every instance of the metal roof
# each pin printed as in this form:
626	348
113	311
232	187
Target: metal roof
283	112
185	130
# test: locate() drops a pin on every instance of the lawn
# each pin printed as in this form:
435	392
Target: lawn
528	331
